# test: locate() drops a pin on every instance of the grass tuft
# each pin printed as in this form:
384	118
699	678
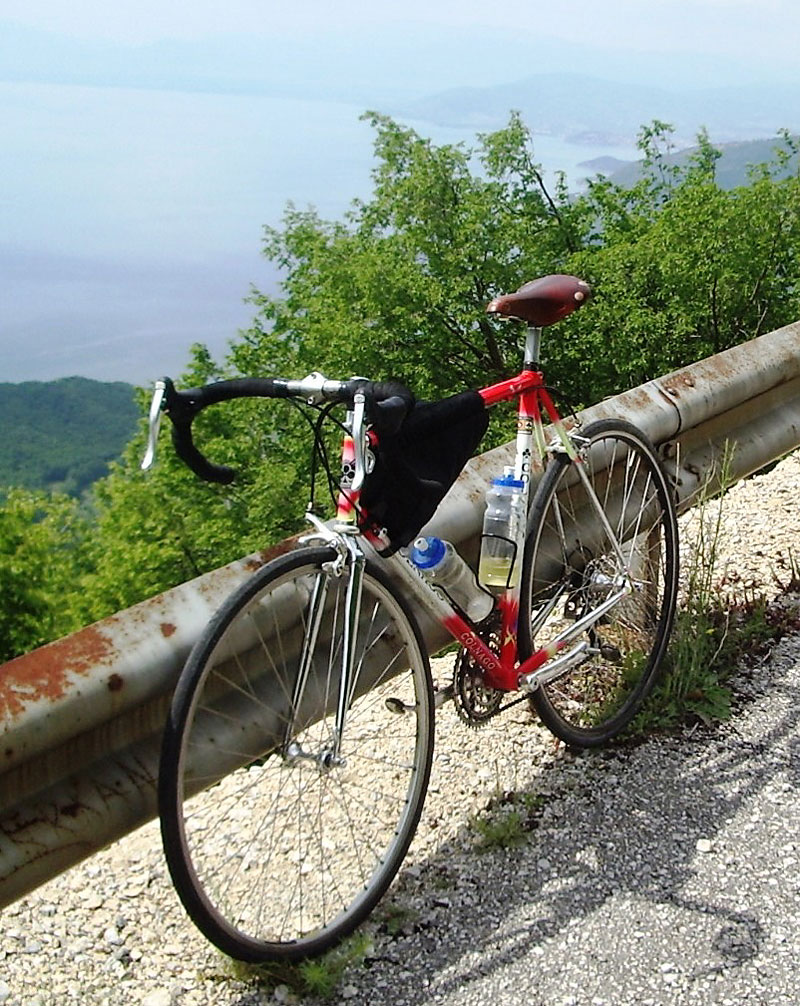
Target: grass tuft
317	977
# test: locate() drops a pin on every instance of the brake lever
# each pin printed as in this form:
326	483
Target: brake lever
156	407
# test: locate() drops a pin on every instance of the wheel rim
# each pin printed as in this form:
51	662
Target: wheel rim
285	848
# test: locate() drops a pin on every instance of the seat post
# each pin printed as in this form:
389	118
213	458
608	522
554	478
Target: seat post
532	344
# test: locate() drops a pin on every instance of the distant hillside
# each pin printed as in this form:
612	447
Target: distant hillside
587	109
60	435
731	168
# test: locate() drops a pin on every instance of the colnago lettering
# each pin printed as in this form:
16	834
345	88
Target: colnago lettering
478	650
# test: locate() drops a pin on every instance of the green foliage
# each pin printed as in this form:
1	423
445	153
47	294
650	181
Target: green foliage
682	269
319	977
397	919
507	820
692	684
708	645
41	560
732	167
715	629
503	831
61	435
401	286
159	528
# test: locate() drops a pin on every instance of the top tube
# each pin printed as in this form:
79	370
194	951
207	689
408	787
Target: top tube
505	391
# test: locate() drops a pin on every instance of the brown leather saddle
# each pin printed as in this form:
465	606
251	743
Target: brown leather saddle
542	301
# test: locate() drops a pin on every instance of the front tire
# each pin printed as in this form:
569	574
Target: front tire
276	849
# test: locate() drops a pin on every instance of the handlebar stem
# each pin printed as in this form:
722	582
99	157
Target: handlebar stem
315	388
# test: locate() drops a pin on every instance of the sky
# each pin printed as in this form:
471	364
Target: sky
708	24
728	27
760	36
131	209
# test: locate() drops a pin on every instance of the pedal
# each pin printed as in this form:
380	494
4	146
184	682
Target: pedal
610	653
442	695
397	706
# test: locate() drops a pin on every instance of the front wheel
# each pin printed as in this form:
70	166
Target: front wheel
279	838
575	564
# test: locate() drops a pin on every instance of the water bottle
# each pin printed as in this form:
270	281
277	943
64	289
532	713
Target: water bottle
439	562
503	526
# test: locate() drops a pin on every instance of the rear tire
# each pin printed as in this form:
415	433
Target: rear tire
276	850
569	564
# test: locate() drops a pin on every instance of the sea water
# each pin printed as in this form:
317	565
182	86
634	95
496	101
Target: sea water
132	220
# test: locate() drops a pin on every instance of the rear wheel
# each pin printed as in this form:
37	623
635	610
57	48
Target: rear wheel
572	566
279	844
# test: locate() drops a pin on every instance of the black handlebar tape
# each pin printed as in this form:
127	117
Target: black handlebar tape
183	406
388	403
199	463
390	414
225	391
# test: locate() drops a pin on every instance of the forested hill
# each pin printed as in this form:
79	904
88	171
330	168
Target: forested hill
731	170
60	435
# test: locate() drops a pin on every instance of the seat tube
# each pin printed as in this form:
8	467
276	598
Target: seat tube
530	434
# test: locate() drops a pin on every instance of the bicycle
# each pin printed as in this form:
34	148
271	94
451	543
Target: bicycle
298	747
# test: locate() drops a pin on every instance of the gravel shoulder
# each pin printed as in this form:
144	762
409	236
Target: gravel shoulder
662	873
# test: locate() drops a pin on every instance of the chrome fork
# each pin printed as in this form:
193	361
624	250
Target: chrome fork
350	561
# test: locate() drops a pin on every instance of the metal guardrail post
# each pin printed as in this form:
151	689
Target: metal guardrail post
82	716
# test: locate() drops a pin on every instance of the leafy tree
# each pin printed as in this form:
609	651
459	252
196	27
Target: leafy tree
41	563
162	527
682	269
65	432
400	286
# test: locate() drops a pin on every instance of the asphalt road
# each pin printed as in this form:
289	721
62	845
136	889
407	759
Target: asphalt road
660	874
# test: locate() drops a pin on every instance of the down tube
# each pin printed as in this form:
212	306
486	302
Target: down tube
441	611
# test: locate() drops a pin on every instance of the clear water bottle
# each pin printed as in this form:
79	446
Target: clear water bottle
503	527
444	567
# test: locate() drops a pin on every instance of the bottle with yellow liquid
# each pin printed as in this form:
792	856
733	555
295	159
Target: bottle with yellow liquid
503	524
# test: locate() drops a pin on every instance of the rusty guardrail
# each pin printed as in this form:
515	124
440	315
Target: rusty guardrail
82	716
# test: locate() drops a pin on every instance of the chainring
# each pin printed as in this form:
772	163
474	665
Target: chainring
475	702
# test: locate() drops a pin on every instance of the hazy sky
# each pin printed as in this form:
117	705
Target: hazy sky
736	28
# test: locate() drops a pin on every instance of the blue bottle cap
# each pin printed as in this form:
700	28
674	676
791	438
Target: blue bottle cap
427	552
508	481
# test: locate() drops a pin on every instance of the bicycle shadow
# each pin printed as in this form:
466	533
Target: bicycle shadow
617	824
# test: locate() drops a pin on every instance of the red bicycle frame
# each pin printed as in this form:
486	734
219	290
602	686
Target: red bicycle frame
501	671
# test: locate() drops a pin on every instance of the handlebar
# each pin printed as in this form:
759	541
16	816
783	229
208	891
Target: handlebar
386	405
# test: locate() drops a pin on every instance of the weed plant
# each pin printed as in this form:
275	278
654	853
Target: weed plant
720	623
507	820
317	977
